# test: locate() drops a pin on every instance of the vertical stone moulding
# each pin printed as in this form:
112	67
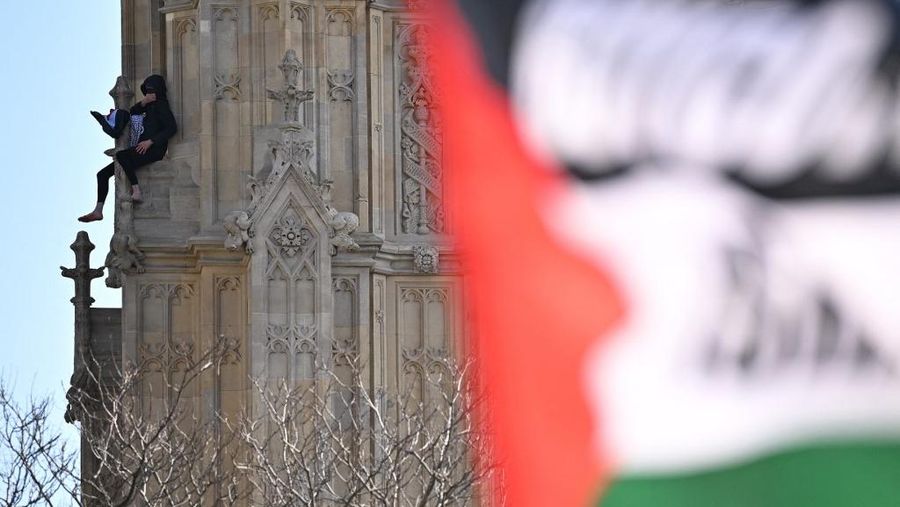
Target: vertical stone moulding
186	79
340	101
300	35
268	27
345	344
227	94
376	133
229	332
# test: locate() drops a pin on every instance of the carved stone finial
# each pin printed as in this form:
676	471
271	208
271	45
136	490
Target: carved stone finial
426	259
81	274
121	93
291	68
290	95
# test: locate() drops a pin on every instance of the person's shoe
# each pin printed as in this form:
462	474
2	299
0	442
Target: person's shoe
91	217
113	131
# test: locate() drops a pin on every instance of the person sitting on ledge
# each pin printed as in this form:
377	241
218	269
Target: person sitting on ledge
150	145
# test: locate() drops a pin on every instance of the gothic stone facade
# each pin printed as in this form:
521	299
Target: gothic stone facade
299	212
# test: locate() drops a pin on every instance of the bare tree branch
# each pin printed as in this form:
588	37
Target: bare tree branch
333	442
34	457
147	440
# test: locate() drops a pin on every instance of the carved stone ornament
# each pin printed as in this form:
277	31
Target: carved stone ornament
340	85
231	349
294	152
344	352
291	95
238	231
167	356
342	224
228	85
124	256
291	236
421	140
425	259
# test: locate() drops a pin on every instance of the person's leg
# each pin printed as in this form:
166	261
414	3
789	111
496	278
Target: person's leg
103	176
130	160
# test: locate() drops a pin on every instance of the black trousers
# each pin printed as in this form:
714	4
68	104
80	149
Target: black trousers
130	161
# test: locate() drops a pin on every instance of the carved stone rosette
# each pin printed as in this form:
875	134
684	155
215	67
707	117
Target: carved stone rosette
421	140
425	258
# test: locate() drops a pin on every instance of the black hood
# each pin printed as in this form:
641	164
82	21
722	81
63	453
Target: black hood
157	83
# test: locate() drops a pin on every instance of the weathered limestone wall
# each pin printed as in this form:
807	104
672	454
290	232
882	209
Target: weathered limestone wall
393	296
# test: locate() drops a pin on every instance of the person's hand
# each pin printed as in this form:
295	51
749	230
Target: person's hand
143	146
150	97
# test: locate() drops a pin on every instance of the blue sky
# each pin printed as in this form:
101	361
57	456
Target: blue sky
59	61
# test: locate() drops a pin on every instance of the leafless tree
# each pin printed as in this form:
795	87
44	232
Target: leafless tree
328	441
333	442
35	460
144	442
138	447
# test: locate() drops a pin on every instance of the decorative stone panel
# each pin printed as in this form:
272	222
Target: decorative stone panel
421	137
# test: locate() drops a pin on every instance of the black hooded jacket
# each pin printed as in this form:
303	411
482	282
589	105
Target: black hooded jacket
159	123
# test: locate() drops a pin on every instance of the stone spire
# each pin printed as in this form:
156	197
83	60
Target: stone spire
81	274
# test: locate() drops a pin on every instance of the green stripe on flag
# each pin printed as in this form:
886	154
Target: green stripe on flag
836	475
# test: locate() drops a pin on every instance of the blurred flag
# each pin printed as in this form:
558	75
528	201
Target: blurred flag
682	221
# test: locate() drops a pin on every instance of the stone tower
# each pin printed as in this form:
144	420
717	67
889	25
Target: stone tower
299	212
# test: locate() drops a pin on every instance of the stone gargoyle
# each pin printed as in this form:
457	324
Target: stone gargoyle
342	224
238	231
124	255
